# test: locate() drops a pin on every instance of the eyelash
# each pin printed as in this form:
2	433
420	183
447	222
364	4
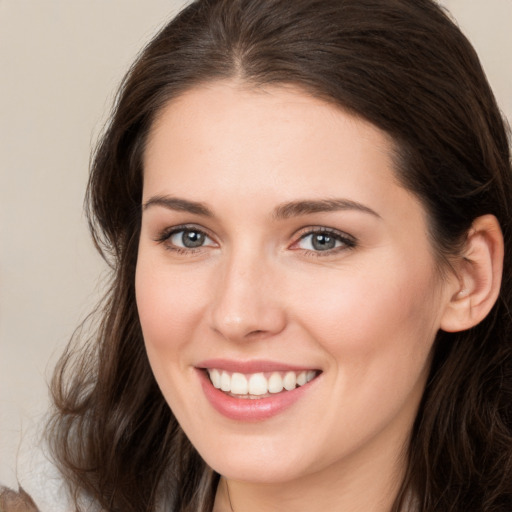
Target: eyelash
165	236
347	241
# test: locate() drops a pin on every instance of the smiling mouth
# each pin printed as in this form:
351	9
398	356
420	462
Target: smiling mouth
258	385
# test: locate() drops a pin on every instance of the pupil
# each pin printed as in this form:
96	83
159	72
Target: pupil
323	242
192	239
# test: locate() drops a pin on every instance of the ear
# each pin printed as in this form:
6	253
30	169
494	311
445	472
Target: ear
479	271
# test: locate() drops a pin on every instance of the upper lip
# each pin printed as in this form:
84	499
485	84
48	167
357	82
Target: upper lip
248	367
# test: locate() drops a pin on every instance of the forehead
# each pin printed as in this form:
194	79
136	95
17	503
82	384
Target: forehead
224	103
283	136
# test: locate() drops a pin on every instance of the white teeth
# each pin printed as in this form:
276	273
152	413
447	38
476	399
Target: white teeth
239	385
215	377
275	383
290	381
256	384
225	381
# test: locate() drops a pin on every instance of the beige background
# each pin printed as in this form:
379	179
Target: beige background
60	61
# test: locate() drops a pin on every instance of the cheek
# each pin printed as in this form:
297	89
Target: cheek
380	318
392	290
378	329
170	305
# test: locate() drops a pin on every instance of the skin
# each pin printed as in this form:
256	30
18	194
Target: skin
365	315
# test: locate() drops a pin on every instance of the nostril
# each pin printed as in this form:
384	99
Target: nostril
256	332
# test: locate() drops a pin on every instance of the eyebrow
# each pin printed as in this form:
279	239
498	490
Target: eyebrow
282	211
178	204
305	207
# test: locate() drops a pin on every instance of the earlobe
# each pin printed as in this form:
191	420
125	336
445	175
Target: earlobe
479	271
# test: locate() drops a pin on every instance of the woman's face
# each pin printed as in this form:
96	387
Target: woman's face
281	260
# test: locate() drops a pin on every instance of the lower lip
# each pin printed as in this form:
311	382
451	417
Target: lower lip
247	409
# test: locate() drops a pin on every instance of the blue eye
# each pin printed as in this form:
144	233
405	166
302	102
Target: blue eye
189	238
324	241
186	238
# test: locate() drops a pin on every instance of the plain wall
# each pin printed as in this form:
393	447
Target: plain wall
60	62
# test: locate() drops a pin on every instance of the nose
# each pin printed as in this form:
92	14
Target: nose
248	303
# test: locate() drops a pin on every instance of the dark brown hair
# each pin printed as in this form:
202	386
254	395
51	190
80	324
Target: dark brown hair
404	66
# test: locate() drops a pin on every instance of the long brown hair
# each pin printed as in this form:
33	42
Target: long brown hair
404	66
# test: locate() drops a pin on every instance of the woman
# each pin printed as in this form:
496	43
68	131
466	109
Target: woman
306	206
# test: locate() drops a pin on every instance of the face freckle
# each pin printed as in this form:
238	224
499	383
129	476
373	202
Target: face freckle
276	240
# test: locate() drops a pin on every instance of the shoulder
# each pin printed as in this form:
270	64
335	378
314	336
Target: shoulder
11	501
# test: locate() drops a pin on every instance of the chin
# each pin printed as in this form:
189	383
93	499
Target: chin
275	471
258	459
